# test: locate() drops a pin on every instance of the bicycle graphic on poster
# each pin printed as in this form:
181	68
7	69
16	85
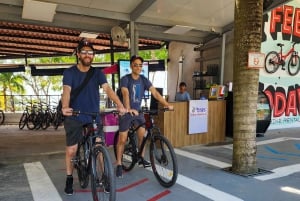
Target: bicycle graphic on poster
275	59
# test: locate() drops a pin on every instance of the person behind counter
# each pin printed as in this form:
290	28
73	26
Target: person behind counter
182	94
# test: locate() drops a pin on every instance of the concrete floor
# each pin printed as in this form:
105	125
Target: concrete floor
201	170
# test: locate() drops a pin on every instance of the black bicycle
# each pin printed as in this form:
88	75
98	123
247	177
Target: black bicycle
92	158
2	117
27	119
57	118
162	156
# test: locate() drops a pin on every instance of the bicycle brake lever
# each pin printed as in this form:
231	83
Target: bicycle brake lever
75	112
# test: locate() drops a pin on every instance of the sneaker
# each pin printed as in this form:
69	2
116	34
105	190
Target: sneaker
144	163
119	171
69	186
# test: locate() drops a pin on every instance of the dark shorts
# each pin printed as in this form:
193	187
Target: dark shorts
73	130
125	121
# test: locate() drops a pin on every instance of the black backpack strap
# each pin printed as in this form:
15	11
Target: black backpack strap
76	92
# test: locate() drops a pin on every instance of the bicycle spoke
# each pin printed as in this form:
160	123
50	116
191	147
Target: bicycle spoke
129	154
272	62
163	161
82	167
103	179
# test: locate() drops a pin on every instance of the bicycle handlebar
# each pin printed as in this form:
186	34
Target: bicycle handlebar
94	114
153	112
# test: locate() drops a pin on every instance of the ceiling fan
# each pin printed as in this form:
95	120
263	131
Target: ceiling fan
118	34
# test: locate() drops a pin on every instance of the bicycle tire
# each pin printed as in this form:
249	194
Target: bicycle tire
82	165
57	119
163	161
294	65
2	117
272	62
39	120
46	121
129	157
31	121
22	121
103	181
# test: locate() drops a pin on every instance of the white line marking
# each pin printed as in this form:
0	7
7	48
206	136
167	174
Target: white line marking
280	172
205	190
41	185
202	189
280	139
202	159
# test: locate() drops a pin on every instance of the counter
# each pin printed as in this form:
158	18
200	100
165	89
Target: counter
174	125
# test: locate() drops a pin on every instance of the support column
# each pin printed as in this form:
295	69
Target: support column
223	58
133	38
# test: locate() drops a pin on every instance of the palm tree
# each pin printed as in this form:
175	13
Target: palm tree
11	83
247	37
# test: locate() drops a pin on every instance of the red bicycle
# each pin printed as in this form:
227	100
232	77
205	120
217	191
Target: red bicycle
275	59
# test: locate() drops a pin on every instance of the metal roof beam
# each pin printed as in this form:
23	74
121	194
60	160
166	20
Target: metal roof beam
140	9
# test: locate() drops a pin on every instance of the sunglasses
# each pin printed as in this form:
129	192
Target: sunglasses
138	65
89	52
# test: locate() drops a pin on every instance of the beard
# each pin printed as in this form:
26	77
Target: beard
85	61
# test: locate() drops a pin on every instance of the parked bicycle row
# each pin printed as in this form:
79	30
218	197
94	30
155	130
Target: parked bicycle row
40	116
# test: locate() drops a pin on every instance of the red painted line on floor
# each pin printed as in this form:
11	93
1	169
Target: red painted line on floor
132	185
118	190
83	191
160	195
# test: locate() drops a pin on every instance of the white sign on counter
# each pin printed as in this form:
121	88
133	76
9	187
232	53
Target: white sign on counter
198	111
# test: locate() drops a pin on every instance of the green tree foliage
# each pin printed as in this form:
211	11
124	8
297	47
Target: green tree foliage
11	84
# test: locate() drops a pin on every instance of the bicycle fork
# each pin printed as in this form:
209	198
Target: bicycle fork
160	156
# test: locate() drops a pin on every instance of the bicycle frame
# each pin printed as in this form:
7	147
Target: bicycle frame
92	158
149	131
283	57
89	136
161	153
275	59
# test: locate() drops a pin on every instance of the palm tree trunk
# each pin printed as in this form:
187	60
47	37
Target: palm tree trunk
247	37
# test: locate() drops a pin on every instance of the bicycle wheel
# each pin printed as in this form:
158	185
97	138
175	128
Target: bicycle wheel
294	65
103	181
57	119
22	121
46	121
82	164
39	120
31	121
129	156
2	117
272	62
163	161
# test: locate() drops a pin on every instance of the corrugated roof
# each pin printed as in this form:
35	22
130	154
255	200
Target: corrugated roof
27	40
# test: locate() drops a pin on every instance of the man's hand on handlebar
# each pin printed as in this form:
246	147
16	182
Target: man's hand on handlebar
169	107
67	111
121	109
133	112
